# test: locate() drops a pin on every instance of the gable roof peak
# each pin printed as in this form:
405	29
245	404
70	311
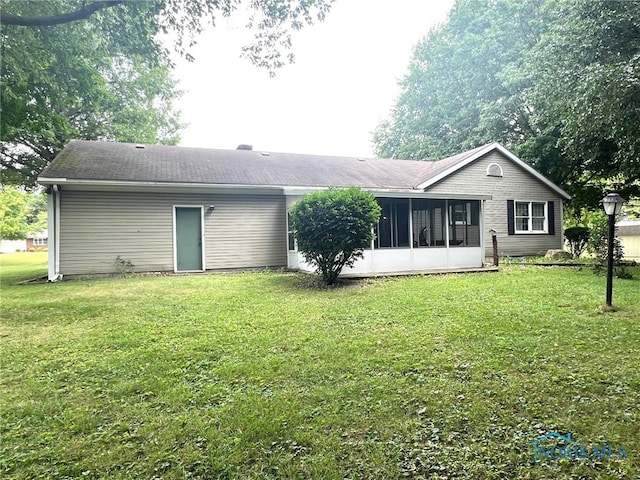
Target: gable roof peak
447	166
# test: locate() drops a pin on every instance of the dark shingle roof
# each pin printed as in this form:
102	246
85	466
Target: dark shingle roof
435	168
110	161
83	160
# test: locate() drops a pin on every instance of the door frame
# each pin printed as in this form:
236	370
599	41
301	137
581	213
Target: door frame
175	240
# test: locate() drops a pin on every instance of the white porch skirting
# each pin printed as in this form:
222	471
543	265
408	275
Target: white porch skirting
387	260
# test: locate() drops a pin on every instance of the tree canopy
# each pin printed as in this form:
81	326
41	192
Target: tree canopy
21	213
557	82
98	70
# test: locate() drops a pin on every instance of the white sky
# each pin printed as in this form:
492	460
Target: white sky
329	102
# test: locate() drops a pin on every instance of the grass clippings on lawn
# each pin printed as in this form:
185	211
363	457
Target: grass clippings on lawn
258	376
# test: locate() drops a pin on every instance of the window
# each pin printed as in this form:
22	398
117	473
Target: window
40	241
392	230
531	217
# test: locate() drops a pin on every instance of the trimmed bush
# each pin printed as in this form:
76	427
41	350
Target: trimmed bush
577	238
333	227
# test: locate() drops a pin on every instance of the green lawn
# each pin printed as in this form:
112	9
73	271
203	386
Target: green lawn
259	376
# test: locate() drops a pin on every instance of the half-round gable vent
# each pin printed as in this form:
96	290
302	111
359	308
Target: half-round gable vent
494	170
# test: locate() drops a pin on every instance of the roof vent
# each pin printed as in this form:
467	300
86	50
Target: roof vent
494	170
139	145
265	154
243	146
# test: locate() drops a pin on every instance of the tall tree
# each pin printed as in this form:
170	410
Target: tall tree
555	81
75	83
97	69
36	216
13	214
458	92
585	73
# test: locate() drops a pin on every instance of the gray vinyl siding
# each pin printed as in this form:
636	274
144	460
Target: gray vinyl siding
515	184
243	231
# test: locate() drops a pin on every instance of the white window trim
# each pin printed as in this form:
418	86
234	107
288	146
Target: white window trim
489	169
291	231
545	230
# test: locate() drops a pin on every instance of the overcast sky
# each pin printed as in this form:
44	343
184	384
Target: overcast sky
344	81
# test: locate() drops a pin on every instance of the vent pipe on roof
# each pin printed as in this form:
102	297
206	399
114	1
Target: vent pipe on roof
243	146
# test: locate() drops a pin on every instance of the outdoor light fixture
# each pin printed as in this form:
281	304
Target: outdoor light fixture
211	208
612	205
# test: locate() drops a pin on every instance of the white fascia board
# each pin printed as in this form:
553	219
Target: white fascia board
392	193
297	191
489	148
427	195
50	181
118	185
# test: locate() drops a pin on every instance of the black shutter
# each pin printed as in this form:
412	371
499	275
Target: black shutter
551	218
511	220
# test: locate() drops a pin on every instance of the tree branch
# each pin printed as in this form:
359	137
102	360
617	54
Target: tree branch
82	14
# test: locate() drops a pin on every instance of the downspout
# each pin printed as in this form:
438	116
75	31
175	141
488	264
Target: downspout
53	226
561	223
481	233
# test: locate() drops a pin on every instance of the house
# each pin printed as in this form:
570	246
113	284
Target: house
629	233
183	209
38	241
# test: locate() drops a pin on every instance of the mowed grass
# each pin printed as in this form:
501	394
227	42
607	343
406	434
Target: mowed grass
257	375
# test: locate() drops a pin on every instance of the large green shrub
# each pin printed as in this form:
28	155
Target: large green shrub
333	227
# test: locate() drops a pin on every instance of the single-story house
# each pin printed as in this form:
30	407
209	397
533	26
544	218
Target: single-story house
38	240
629	233
180	209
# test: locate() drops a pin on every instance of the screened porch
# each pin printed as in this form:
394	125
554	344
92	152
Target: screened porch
418	234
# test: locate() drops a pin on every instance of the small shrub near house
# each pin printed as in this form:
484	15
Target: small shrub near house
333	227
123	266
577	238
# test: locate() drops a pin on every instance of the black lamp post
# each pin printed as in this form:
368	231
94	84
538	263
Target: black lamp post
612	205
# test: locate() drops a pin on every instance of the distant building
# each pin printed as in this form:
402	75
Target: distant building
629	234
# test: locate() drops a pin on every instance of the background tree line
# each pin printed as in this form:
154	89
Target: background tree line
98	70
555	81
21	213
